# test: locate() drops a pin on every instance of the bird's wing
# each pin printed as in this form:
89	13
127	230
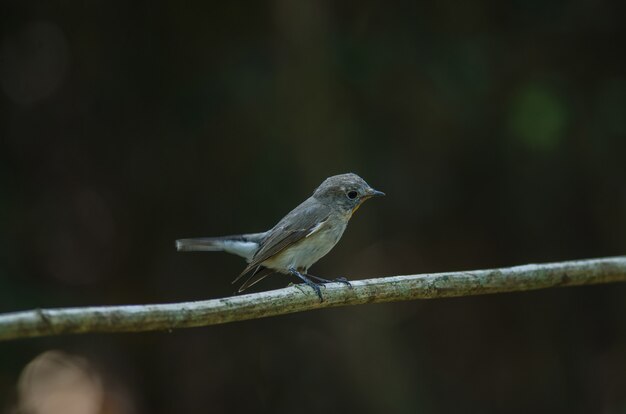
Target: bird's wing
298	224
259	274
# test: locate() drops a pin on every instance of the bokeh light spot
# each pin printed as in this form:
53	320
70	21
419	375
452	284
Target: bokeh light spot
538	118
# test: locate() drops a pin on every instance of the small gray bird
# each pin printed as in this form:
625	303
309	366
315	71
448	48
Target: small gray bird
300	239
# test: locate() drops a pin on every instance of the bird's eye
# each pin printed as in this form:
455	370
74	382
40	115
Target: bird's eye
352	194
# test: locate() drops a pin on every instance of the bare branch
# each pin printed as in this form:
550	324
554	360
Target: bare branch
138	318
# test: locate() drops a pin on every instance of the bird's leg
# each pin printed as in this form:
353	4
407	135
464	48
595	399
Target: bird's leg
339	279
308	281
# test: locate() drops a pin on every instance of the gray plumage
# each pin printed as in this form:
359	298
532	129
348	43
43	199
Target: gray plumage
301	238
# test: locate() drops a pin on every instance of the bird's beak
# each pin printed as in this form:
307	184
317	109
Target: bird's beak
368	194
374	193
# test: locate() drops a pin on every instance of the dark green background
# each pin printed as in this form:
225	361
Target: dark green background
497	129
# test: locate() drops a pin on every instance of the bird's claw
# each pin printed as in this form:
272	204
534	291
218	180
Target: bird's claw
336	280
317	290
343	280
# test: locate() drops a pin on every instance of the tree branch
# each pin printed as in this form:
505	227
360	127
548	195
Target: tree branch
138	318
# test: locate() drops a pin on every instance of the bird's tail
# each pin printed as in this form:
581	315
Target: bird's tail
244	245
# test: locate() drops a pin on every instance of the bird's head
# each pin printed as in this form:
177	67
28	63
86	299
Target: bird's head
346	192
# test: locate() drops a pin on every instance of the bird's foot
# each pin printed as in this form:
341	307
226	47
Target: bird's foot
343	280
337	280
308	282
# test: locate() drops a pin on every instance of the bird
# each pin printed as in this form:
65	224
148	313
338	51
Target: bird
298	240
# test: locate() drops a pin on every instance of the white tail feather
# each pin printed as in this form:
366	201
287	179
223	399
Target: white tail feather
242	245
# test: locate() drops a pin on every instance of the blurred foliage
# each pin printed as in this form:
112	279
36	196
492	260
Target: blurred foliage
497	129
538	118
